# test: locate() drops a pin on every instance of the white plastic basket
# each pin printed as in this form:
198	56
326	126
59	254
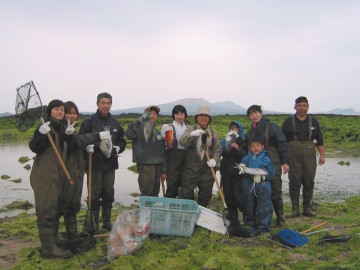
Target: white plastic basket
211	220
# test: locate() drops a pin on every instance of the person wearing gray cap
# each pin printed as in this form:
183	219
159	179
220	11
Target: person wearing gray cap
197	139
304	135
148	150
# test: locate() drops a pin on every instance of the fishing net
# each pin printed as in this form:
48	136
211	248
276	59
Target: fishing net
28	106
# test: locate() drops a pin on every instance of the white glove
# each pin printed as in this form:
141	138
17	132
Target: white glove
117	148
166	127
70	128
90	148
257	178
234	133
197	132
44	128
211	163
241	168
105	135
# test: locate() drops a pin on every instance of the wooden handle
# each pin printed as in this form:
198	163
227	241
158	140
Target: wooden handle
162	186
89	180
101	235
56	151
216	180
314	227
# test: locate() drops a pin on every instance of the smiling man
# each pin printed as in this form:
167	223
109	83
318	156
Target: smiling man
104	165
304	135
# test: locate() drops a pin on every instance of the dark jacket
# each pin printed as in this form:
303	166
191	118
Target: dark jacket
272	137
229	158
96	123
149	152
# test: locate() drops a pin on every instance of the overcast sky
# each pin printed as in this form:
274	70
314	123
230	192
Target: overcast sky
153	52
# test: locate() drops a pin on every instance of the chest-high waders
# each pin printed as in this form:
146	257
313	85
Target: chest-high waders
302	172
276	181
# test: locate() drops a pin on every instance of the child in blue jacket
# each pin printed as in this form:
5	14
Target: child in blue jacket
257	188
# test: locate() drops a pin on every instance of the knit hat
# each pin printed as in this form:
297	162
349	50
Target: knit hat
53	104
301	99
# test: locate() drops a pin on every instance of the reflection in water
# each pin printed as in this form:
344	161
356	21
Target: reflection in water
333	182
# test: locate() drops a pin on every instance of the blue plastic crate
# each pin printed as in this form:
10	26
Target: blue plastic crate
171	216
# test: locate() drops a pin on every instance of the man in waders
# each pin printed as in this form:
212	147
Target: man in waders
304	135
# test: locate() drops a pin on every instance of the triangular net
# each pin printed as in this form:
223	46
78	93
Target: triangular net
28	106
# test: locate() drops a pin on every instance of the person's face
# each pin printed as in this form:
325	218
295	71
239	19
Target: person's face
235	128
203	120
255	116
71	115
153	116
301	108
58	113
256	148
179	117
104	106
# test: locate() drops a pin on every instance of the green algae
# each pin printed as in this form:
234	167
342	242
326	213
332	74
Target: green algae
206	249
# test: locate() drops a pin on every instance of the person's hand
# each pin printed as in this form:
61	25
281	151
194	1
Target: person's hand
241	168
321	160
234	133
144	117
197	132
90	148
228	137
44	128
285	168
211	163
117	148
166	128
105	135
257	178
70	128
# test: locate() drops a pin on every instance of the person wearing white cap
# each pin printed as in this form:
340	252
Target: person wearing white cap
148	150
197	139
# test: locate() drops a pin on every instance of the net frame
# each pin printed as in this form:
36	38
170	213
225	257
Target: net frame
28	106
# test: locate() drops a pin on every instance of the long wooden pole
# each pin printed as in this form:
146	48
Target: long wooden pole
314	227
216	180
62	164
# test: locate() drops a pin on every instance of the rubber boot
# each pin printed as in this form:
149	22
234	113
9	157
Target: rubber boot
71	226
106	218
279	212
294	197
295	212
307	206
95	214
48	246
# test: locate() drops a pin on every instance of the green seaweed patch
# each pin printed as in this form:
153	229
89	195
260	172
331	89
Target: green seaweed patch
23	160
342	163
17	181
26	205
27	167
133	168
134	194
5	177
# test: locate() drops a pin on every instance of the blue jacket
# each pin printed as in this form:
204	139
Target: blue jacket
261	161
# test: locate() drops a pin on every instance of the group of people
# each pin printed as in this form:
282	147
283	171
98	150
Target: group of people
180	154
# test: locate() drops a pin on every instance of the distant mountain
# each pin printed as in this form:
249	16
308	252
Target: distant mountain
191	105
347	111
5	114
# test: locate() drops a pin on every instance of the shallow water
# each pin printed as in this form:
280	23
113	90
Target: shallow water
333	182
